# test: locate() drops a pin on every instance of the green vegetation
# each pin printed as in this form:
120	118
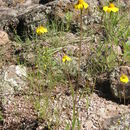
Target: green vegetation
1	116
50	70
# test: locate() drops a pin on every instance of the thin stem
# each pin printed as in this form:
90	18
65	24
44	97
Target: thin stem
80	44
124	93
74	96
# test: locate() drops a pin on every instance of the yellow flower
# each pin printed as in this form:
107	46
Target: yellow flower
124	78
45	66
110	8
66	58
81	4
40	30
106	9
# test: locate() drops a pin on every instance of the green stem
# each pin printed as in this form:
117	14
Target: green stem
124	93
73	98
80	44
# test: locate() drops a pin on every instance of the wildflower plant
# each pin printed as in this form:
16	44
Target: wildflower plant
124	79
67	68
45	75
114	23
43	79
66	58
41	30
116	29
80	5
111	19
110	8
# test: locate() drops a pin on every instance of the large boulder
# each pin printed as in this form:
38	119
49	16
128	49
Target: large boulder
23	20
12	81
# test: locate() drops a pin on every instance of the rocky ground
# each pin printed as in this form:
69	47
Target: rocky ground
98	110
94	113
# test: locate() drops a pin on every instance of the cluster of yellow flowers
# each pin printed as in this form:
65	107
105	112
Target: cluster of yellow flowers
110	8
80	5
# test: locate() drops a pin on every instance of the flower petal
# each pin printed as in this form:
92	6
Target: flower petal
85	5
105	8
78	6
40	30
115	9
66	58
81	4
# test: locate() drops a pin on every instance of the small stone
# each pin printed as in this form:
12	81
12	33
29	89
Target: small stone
3	38
89	124
118	123
117	50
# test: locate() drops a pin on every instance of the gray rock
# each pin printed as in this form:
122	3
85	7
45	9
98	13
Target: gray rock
13	3
12	81
25	16
22	21
121	122
118	88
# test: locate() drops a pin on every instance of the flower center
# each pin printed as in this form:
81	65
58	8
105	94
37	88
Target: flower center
81	1
123	77
111	5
